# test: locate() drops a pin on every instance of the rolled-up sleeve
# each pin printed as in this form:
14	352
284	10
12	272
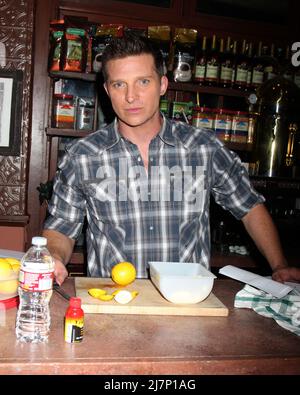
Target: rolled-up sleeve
231	187
67	207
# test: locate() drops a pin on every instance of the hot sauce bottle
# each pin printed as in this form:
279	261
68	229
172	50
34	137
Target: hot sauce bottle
74	319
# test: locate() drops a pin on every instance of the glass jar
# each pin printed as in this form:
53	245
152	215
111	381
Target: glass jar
203	117
64	111
223	123
239	130
85	113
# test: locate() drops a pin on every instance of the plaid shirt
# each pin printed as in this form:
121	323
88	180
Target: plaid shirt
139	216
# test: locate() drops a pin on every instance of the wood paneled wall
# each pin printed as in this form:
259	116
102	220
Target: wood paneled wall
16	33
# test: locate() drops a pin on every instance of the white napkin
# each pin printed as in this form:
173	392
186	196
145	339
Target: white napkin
265	284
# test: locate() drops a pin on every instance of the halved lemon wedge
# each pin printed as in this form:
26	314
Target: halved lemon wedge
124	296
106	297
96	292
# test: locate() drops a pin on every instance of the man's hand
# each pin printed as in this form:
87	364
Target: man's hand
286	274
60	271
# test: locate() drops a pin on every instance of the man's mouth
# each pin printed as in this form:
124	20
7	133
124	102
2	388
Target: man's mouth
133	110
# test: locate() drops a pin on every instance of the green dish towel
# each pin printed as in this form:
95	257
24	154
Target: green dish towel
285	311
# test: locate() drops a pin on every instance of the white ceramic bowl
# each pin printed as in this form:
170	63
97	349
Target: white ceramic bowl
182	283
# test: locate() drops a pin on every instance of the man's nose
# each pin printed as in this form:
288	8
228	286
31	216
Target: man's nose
131	94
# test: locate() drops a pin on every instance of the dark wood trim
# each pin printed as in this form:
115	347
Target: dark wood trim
112	11
237	28
77	76
67	132
45	10
193	87
14	220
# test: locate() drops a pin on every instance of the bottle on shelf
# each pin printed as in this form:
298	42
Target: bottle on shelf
271	65
240	81
35	291
226	64
288	71
258	68
234	56
212	65
250	66
200	68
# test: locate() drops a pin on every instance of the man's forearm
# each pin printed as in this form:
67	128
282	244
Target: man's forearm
59	245
261	228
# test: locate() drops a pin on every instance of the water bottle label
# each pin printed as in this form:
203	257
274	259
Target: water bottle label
36	281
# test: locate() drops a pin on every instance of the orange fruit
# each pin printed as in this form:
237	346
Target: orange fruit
9	287
15	264
123	273
5	268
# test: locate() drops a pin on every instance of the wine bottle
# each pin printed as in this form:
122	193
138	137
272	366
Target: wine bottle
212	65
226	63
241	68
200	68
258	68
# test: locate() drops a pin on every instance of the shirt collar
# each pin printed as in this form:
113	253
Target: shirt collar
165	134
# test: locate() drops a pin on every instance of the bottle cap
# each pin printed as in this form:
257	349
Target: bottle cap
75	302
39	241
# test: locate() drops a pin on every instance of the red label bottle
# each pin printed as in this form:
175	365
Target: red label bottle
74	320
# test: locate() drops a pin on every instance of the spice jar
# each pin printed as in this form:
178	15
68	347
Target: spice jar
223	123
84	113
64	111
239	130
203	117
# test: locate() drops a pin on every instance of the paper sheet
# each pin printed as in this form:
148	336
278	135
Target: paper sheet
263	283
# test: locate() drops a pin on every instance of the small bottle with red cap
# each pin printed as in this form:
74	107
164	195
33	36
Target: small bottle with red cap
74	320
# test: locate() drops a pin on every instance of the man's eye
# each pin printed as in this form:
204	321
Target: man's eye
144	81
118	84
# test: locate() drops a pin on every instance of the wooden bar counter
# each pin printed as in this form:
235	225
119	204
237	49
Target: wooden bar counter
242	343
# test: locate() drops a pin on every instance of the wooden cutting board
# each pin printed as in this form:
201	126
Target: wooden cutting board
148	301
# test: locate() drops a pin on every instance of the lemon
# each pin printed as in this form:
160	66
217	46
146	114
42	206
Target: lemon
13	261
8	287
96	292
125	296
5	268
106	297
15	264
123	273
16	267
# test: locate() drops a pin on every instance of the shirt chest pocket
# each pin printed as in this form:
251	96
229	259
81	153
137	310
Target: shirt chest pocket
104	202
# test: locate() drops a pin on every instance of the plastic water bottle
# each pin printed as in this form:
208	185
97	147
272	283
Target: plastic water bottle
35	291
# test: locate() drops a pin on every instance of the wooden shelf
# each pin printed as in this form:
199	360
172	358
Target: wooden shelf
14	220
214	90
67	132
239	146
73	75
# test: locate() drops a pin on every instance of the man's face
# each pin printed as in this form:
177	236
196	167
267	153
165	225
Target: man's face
134	88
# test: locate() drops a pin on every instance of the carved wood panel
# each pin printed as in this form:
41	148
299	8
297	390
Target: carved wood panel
16	33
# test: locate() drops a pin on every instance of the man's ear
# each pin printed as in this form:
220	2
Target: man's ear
163	85
105	87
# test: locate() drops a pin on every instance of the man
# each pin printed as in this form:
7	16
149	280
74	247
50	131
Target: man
144	182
